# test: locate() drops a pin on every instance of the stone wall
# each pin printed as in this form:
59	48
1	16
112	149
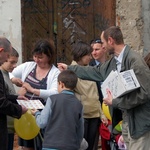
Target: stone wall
10	25
129	18
146	30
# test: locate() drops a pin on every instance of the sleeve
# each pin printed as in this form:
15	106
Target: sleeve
80	131
17	72
12	98
87	72
140	95
8	106
43	116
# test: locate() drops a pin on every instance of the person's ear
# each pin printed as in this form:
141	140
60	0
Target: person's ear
110	40
1	49
61	84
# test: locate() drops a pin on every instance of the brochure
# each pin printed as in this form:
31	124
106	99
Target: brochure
31	104
120	83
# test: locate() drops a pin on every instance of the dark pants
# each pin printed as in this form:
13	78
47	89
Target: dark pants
91	126
10	141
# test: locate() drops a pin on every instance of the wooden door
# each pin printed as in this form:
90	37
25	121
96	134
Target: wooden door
36	24
65	21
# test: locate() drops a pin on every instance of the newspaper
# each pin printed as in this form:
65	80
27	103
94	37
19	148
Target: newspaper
120	83
31	104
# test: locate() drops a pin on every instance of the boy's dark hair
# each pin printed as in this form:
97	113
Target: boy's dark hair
80	49
14	52
69	78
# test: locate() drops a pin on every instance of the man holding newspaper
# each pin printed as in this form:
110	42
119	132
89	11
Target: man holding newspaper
134	105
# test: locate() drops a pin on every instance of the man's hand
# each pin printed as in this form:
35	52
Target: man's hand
109	98
24	109
62	66
22	97
17	81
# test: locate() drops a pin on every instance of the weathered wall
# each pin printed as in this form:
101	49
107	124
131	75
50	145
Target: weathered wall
129	18
10	26
146	30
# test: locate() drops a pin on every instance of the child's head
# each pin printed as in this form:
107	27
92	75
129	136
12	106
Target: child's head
67	80
11	62
81	53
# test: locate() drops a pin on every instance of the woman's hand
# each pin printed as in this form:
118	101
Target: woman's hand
22	91
105	121
28	87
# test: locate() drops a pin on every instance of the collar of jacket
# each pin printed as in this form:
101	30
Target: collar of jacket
126	52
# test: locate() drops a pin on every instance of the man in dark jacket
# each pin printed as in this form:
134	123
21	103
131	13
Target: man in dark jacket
8	103
99	57
134	105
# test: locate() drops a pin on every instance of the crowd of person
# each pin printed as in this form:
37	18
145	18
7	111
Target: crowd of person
72	96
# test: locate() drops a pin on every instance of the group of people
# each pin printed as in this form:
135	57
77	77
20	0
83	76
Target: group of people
72	94
134	106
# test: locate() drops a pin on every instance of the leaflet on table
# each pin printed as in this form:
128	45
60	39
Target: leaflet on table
31	104
120	83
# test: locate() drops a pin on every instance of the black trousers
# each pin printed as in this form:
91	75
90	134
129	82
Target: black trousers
91	129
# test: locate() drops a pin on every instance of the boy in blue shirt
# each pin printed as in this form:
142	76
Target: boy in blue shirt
62	116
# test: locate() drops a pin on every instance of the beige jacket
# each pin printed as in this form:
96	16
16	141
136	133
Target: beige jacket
86	91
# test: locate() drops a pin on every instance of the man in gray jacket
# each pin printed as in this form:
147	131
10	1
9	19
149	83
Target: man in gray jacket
135	106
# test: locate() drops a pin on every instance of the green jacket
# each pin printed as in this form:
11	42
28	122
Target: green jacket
137	102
